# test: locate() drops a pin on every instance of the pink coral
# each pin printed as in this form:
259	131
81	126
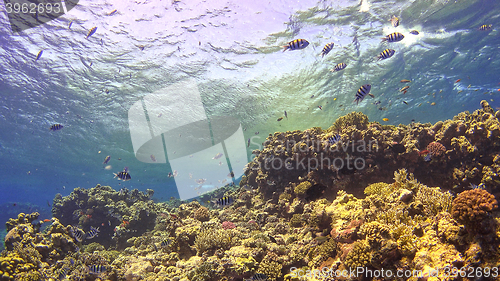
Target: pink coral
228	225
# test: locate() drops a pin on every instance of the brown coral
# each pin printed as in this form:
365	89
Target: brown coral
473	206
202	214
436	148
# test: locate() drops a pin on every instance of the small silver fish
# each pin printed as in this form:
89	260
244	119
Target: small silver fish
218	155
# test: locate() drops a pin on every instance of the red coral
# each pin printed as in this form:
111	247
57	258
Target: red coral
228	225
436	149
473	206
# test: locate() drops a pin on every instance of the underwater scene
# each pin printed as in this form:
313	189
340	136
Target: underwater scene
210	140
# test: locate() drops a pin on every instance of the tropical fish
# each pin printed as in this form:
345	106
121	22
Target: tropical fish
112	12
320	107
257	277
393	37
224	201
165	242
377	103
77	233
334	139
69	25
394	21
200	181
124	175
97	269
427	157
296	44
279	119
385	54
404	88
106	160
405	102
321	239
230	175
414	32
339	67
385	119
91	32
93	232
63	272
218	155
372	95
362	92
56	127
485	27
405	81
328	47
39	55
248	144
458	80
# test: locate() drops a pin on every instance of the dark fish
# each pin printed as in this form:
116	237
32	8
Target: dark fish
224	201
91	32
394	21
39	55
93	232
485	27
377	102
362	92
320	107
393	37
405	102
248	145
339	67
414	32
372	95
106	160
286	115
296	44
328	47
334	139
141	47
69	25
56	127
112	12
279	119
97	269
385	54
124	176
165	242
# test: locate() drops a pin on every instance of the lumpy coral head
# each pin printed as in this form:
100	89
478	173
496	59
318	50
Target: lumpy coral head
473	205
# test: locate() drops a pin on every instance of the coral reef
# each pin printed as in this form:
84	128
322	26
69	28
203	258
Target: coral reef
297	210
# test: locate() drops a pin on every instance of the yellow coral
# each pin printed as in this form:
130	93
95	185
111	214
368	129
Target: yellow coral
302	188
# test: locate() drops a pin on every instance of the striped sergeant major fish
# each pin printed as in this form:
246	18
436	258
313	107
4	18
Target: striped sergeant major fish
124	175
485	27
77	233
334	139
56	127
39	55
296	44
328	47
91	32
97	269
93	232
339	67
385	54
362	92
257	277
393	37
223	202
166	242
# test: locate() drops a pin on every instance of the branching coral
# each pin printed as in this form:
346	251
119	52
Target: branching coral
359	256
212	239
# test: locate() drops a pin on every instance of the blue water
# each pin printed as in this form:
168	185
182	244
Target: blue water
232	51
